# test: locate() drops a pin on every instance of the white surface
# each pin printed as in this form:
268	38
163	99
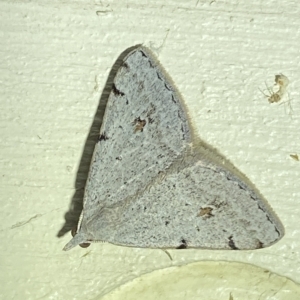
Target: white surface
56	58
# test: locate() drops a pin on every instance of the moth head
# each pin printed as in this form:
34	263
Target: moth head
78	239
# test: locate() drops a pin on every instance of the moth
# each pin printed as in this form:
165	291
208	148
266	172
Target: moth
153	183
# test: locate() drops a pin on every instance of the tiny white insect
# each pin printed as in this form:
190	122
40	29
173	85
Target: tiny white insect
152	181
279	92
280	86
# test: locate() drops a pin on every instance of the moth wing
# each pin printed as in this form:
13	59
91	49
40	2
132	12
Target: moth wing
195	204
145	127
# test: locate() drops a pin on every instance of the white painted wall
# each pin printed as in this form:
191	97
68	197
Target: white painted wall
55	60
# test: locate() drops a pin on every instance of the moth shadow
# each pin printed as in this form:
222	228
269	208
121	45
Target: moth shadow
72	216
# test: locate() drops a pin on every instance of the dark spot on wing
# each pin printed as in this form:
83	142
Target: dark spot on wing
168	87
116	91
259	245
143	54
205	212
139	124
125	65
231	243
103	137
183	244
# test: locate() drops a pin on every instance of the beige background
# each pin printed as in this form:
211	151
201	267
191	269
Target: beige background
56	57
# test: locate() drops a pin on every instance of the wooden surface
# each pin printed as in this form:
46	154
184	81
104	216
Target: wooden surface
55	66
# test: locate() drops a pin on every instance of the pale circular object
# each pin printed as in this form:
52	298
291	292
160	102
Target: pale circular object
208	280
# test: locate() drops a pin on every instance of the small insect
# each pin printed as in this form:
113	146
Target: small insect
278	92
280	86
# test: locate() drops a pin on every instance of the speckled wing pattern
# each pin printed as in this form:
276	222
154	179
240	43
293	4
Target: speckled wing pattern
153	183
